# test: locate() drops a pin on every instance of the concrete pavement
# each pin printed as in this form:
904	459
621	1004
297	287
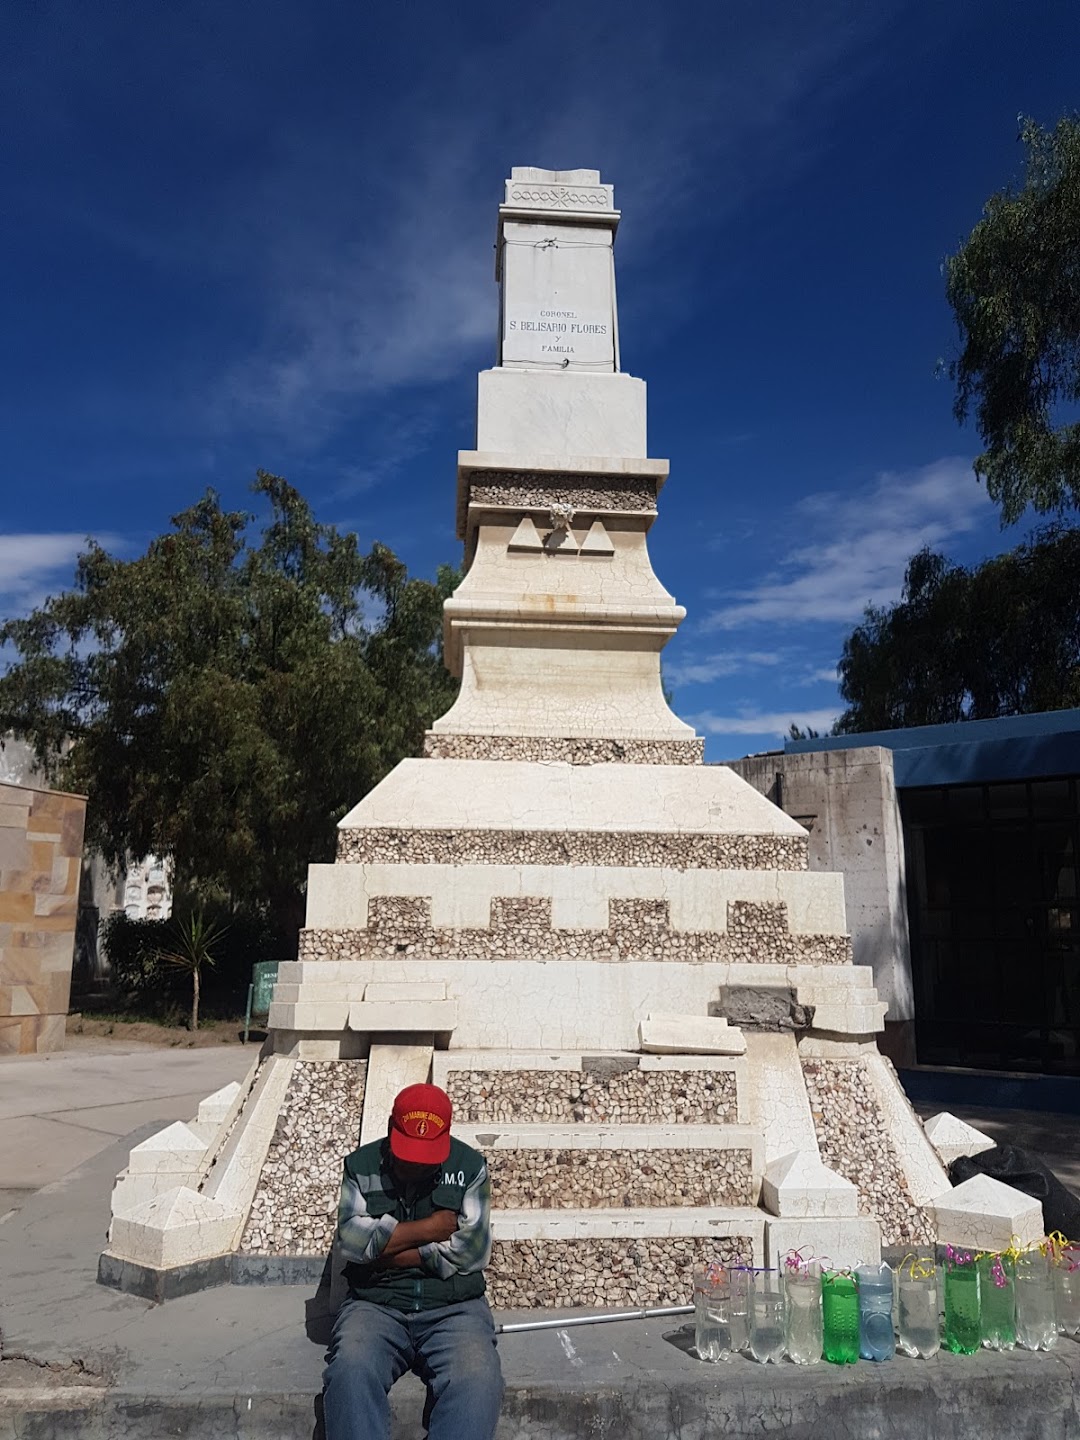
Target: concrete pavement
58	1111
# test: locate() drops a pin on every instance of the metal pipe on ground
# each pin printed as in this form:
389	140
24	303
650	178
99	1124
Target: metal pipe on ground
646	1313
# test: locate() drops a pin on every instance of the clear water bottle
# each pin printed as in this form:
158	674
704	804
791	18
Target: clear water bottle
919	1331
997	1302
877	1339
963	1334
739	1281
712	1312
803	1337
1067	1288
840	1318
1036	1311
767	1316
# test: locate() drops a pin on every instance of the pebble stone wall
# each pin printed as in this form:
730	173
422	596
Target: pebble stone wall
521	928
385	845
585	493
854	1140
528	1274
295	1207
569	749
531	490
633	1097
565	1179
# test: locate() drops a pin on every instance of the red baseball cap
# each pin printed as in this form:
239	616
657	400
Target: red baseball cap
420	1125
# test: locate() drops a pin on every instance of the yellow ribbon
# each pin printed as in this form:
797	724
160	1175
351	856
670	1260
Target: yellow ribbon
922	1267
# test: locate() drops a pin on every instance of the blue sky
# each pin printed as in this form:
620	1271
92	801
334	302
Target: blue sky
259	234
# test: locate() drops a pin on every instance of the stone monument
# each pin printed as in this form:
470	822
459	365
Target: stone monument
614	957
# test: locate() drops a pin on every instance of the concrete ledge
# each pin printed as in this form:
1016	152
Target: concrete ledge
162	1285
979	1397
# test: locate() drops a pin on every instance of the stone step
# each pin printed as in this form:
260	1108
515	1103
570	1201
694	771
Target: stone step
568	1167
617	1258
575	1087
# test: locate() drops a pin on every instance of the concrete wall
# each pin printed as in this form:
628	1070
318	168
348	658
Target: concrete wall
847	800
41	834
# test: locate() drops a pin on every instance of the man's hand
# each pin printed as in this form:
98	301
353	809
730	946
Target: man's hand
441	1225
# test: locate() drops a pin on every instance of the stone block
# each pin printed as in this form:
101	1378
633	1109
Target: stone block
952	1137
177	1227
555	414
380	992
840	1243
176	1150
215	1107
801	1186
390	1069
984	1214
408	1017
690	1034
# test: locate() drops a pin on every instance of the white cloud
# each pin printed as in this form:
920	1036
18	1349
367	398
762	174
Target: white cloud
717	667
30	563
854	547
757	722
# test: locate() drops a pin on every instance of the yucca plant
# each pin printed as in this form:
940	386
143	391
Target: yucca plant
195	938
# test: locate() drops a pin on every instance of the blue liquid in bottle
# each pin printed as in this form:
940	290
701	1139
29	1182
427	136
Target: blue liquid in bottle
877	1338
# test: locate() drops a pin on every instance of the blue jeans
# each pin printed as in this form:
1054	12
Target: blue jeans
452	1349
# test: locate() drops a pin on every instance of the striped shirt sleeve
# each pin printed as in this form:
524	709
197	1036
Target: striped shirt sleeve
360	1237
469	1248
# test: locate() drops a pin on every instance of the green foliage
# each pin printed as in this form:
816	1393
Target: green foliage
194	942
136	973
1014	286
143	984
1000	639
224	703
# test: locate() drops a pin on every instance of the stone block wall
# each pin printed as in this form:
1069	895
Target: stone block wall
41	835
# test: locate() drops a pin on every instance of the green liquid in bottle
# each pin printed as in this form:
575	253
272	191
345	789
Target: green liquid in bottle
840	1315
963	1334
997	1302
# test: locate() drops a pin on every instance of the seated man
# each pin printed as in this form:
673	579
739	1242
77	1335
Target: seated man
414	1225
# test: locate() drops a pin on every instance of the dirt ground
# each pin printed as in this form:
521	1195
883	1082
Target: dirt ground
92	1031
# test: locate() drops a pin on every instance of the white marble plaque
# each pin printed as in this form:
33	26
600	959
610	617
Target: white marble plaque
553	334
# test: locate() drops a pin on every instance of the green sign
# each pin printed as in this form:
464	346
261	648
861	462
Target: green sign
263	978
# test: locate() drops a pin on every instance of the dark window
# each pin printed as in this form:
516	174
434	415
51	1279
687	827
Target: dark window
993	875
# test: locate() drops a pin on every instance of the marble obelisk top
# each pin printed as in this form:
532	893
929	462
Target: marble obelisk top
564	191
555	267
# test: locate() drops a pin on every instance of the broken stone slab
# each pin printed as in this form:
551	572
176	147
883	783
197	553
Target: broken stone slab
800	1186
952	1137
984	1214
762	1007
690	1035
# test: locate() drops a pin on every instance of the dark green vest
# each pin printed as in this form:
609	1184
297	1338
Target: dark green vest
412	1288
